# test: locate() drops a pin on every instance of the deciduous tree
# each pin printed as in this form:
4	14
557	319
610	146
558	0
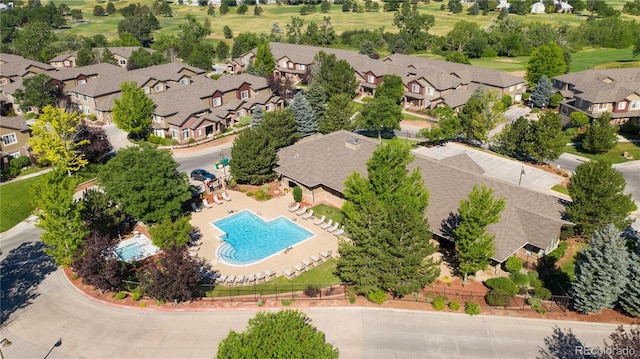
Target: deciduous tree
146	183
392	87
96	145
33	41
99	212
381	115
222	51
98	266
600	271
596	203
244	42
39	91
414	26
338	115
174	277
601	136
142	58
448	127
480	115
53	139
132	113
169	234
474	245
389	246
302	111
281	334
547	60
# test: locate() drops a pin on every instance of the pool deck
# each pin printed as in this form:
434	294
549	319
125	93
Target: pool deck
267	210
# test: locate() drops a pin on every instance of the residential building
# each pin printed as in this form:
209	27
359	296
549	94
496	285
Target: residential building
121	55
529	226
594	92
14	67
68	78
15	134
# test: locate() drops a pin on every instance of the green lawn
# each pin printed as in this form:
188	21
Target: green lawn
613	156
569	266
561	189
602	58
322	275
328	211
16	202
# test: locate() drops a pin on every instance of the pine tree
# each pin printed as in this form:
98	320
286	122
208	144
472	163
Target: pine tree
600	272
264	64
222	51
280	127
106	57
256	116
541	94
601	136
596	202
302	111
384	215
253	157
317	97
339	114
474	245
545	140
630	297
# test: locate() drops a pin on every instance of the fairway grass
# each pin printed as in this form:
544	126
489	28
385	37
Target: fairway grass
16	202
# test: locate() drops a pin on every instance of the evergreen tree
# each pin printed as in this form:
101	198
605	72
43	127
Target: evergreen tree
546	140
211	11
106	57
541	94
601	136
339	114
474	245
264	64
335	76
281	128
132	112
302	111
596	202
253	157
99	212
474	9
111	9
513	139
224	8
222	51
317	97
256	116
59	217
226	31
382	114
389	248
630	297
600	272
85	57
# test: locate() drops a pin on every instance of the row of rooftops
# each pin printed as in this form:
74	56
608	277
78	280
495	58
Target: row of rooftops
600	86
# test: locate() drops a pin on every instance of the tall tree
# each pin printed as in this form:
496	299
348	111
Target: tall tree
99	212
381	115
257	116
595	202
59	217
106	57
264	64
222	51
96	145
600	272
448	128
282	334
86	56
140	26
389	248
541	94
280	127
142	58
53	139
168	44
175	276
630	297
392	87
338	115
414	26
336	76
253	157
622	343
98	266
302	111
132	113
39	91
33	41
513	140
169	234
146	183
600	136
547	60
545	140
294	30
317	97
480	115
244	42
474	245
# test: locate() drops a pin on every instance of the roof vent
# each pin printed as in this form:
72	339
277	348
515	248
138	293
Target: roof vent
352	143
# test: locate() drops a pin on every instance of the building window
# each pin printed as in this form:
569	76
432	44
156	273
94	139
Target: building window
185	133
158	132
371	79
123	62
76	95
511	88
80	82
159	87
291	65
518	86
84	98
9	139
79	106
415	88
146	90
184	81
635	105
87	110
3	81
157	118
268	107
14	154
429	91
240	113
174	133
622	105
301	66
283	64
217	101
244	94
199	132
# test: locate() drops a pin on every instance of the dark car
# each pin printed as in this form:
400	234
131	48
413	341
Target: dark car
202	175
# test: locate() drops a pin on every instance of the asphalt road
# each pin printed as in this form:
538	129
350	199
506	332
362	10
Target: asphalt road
569	162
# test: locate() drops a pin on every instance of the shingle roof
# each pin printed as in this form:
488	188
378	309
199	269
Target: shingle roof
90	70
14	65
14	123
124	51
529	217
606	85
459	97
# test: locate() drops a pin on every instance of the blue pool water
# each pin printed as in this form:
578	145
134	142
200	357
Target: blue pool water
250	239
129	252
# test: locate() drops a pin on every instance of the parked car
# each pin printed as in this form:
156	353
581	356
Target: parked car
202	175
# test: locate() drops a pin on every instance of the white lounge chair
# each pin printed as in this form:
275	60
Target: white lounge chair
216	200
230	279
298	268
339	232
308	215
222	278
260	276
334	228
326	254
294	208
327	225
301	211
241	280
320	221
315	259
206	203
225	196
269	273
307	263
251	278
288	273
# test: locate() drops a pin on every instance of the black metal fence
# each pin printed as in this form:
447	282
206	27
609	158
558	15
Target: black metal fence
262	291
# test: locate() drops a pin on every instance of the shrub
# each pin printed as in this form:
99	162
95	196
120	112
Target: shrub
566	232
260	303
513	264
377	296
297	194
311	291
136	296
572	133
233	183
121	295
526	96
287	302
20	162
262	196
535	110
453	305
519	278
472	308
532	275
507	101
438	303
351	291
542	293
535	283
536	304
249	194
556	254
502	284
498	298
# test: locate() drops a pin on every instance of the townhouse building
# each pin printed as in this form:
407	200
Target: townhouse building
121	55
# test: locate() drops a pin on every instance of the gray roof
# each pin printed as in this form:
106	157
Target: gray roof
529	217
90	70
14	123
607	85
459	97
14	65
124	51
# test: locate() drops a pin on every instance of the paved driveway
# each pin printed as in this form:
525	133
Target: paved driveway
631	173
497	167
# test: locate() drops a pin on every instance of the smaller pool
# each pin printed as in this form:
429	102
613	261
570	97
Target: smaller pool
250	239
135	249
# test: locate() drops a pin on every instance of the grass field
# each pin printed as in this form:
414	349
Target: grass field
613	156
327	211
16	202
560	189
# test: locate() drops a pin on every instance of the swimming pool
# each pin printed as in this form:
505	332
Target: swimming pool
135	249
250	239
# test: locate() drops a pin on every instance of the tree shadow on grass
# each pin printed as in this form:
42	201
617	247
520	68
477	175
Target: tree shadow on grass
22	270
563	344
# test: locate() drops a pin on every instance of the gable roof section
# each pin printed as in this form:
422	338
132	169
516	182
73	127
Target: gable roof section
14	123
14	65
607	85
90	70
